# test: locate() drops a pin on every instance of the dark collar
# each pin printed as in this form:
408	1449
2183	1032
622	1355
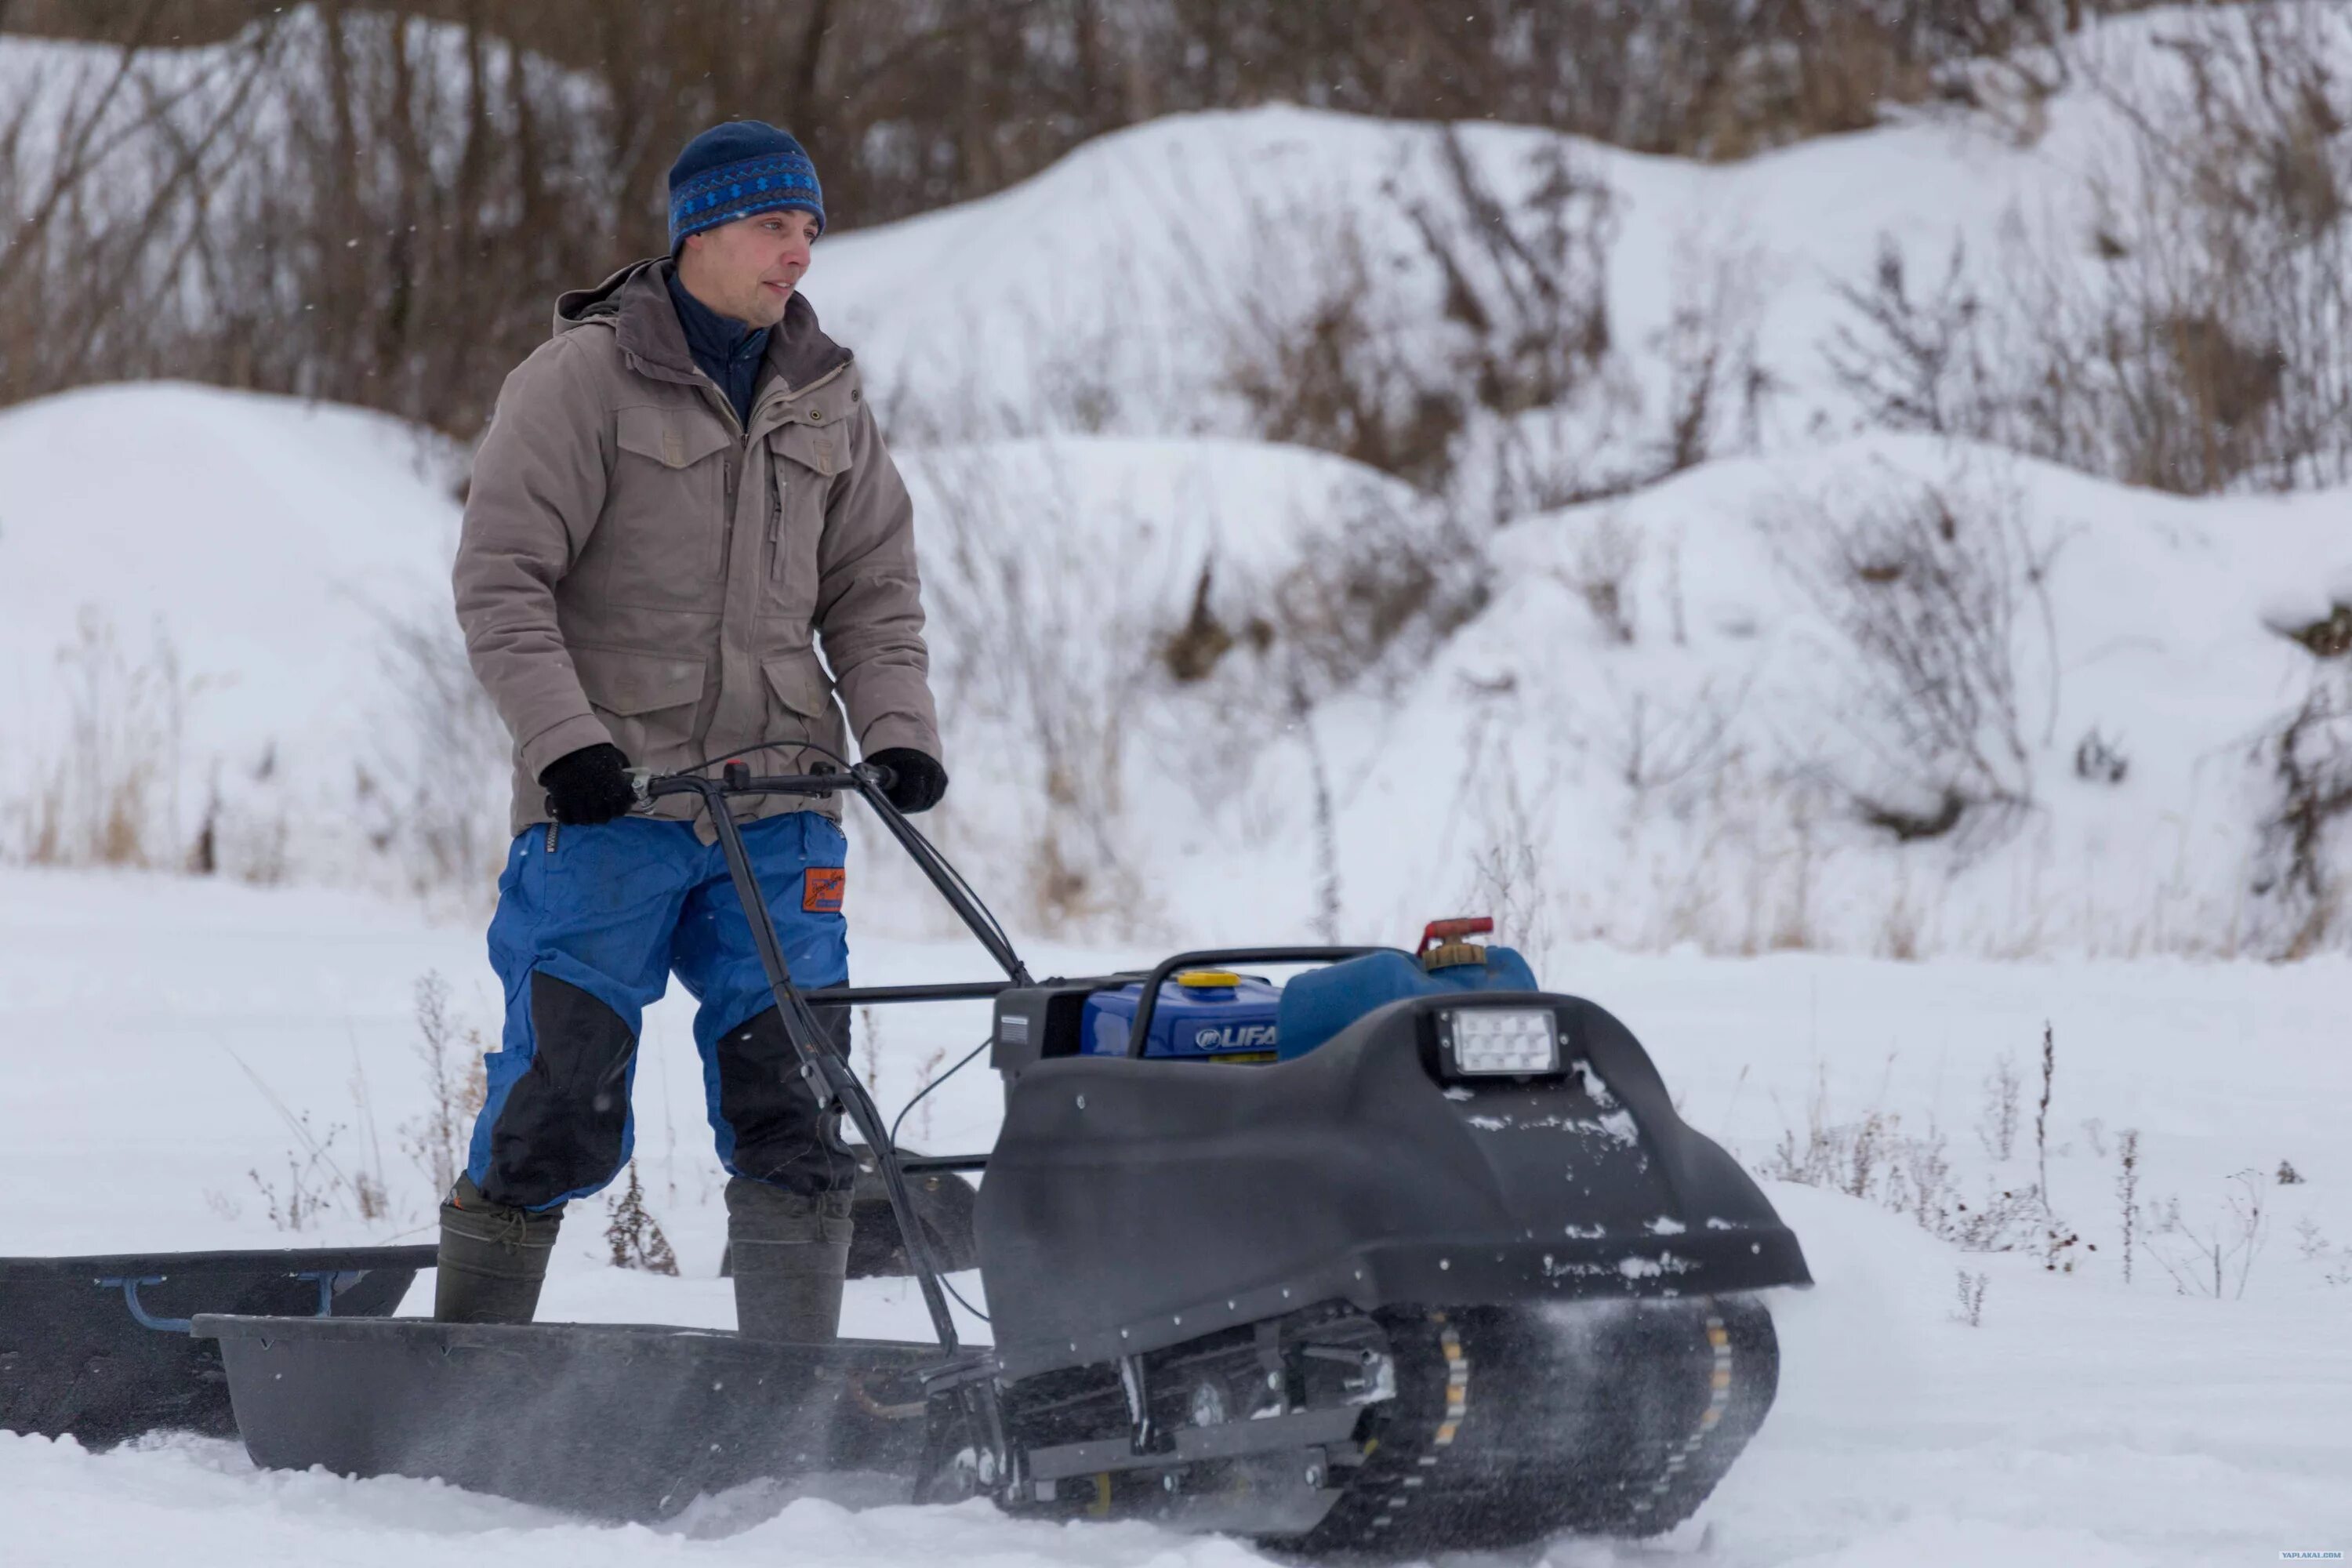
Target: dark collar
645	323
710	335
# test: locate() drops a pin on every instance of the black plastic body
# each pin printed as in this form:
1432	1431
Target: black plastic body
1133	1205
75	1361
1036	1023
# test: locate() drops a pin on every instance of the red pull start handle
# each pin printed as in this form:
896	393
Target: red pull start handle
1437	933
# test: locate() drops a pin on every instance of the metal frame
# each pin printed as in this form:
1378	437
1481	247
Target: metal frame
819	1064
328	1280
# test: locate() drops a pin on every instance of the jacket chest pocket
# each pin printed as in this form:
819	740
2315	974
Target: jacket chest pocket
666	508
804	461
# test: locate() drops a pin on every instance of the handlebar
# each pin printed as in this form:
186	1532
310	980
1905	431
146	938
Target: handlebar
870	780
737	779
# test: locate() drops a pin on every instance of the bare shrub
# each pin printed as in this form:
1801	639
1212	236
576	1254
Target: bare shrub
2330	636
1997	1122
345	203
1606	556
1378	584
1929	586
455	1086
1682	750
1526	281
632	1235
106	792
1971	1294
2099	760
438	791
1328	372
315	1180
1021	572
2042	1113
107	170
1192	650
1717	384
2004	1220
1872	1158
1511	872
489	154
1914	359
2127	1192
2217	1260
1325	818
2201	344
1483	382
2297	879
2333	1262
310	1180
2226	341
371	1194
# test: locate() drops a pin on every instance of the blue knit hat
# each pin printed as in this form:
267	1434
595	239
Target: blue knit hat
734	170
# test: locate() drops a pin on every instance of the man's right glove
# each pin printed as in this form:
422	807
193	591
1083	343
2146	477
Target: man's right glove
918	781
589	786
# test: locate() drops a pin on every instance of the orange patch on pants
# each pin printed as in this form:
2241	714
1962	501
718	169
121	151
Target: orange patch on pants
821	890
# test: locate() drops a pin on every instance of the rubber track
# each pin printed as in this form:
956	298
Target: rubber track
1515	1424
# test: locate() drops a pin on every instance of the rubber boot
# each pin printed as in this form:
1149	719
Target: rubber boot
493	1259
791	1253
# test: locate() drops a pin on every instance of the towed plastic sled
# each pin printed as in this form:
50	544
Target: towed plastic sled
1456	1276
98	1349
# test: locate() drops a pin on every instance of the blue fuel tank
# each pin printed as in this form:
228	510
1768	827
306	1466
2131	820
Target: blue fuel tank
1211	1014
1322	1002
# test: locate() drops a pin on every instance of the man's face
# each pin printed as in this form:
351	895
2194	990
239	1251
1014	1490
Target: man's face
749	268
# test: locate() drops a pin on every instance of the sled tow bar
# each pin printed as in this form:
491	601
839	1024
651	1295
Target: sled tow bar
818	1062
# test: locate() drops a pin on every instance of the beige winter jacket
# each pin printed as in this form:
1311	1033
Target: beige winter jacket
636	567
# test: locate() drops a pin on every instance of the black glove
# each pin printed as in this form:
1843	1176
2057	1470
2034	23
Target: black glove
591	784
919	782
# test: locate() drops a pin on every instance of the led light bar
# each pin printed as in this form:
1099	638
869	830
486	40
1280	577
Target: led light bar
1496	1041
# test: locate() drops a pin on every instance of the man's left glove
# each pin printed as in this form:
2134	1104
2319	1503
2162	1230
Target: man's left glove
920	781
589	786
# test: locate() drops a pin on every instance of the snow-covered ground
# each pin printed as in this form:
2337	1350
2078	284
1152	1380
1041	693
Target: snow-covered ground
224	624
154	1028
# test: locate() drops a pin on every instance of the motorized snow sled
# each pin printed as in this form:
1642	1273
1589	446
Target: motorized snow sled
1447	1271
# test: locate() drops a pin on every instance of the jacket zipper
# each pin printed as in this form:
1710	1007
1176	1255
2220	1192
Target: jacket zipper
551	836
775	526
776	488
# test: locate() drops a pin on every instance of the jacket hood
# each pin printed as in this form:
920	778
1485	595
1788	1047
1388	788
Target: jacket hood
635	300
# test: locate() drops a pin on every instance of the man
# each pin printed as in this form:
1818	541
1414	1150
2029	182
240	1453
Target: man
681	495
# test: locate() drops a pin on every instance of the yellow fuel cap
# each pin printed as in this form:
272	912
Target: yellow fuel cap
1207	979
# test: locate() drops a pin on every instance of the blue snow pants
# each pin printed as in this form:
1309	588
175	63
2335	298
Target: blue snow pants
591	923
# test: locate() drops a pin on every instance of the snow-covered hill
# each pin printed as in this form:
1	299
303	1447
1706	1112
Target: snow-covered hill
1277	688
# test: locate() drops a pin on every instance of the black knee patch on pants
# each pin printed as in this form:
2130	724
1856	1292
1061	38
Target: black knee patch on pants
561	1127
780	1136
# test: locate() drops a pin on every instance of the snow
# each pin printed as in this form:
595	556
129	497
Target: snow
236	573
1081	468
210	581
274	549
2084	1420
